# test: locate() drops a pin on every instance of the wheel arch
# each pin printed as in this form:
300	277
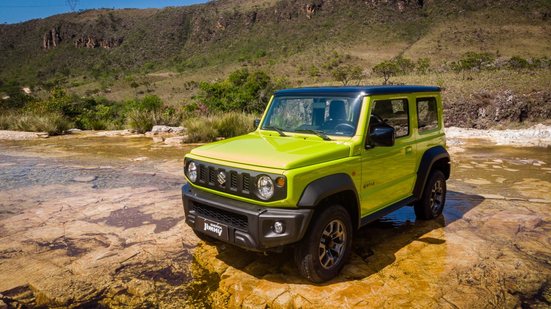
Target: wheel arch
434	158
337	188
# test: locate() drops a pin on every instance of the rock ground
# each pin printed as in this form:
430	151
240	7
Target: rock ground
120	239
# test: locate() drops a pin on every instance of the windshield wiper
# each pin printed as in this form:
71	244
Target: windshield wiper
318	133
278	130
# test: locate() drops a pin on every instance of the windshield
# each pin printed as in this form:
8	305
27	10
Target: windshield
314	115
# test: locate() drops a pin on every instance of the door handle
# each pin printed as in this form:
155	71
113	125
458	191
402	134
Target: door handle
409	149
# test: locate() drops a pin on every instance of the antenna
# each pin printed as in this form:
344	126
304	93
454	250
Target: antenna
72	4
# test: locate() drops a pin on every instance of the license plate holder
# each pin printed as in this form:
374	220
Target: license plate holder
212	228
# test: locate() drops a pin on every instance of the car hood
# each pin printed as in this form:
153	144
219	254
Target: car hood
277	152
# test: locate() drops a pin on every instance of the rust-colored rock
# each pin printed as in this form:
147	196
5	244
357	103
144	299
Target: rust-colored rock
121	241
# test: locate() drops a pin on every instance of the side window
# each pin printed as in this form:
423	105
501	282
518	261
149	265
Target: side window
393	112
427	114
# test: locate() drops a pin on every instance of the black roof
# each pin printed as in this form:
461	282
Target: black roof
357	90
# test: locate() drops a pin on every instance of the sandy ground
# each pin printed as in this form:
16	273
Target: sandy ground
99	222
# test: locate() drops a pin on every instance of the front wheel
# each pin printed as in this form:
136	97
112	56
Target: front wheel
324	250
433	199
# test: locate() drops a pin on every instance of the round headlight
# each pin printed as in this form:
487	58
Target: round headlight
265	187
192	171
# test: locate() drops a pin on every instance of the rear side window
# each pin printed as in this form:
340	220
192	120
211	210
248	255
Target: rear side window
427	114
395	113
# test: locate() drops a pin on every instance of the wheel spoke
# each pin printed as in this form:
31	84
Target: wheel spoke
332	244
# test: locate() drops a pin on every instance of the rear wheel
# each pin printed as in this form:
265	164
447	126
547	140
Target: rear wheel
433	199
325	248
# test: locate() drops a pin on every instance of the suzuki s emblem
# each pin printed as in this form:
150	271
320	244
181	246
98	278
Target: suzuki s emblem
221	178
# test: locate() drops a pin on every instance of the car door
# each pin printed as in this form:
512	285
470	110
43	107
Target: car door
388	173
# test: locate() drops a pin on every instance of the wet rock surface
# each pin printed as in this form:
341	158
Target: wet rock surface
120	238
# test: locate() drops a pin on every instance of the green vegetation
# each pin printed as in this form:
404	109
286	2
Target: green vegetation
242	91
207	129
52	123
348	73
178	64
399	66
474	61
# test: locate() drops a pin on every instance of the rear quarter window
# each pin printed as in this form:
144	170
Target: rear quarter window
427	114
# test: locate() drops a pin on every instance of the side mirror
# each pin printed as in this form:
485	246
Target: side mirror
256	122
382	135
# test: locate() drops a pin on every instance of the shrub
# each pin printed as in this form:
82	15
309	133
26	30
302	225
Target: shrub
423	65
169	117
149	103
242	91
234	124
201	129
52	123
207	129
140	121
517	63
473	61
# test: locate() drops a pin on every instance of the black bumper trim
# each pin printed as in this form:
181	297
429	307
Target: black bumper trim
259	234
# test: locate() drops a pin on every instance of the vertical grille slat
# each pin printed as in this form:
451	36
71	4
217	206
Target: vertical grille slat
212	175
202	173
246	182
233	180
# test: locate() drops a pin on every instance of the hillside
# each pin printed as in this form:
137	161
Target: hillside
128	54
100	42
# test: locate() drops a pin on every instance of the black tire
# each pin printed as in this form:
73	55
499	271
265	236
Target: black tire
433	199
332	229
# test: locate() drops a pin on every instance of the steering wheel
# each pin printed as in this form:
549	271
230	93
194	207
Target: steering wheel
344	127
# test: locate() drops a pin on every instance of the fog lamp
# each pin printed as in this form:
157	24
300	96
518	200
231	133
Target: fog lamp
278	227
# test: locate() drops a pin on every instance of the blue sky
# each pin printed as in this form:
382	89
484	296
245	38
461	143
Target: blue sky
14	11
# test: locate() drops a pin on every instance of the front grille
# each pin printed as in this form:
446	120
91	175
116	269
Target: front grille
238	183
221	216
233	181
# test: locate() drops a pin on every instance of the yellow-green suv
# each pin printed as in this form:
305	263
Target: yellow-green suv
322	163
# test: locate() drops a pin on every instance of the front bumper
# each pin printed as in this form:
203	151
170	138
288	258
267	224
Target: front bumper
242	224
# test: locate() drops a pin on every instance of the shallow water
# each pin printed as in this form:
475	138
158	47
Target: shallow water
98	221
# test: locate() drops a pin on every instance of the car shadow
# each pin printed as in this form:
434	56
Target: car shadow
374	246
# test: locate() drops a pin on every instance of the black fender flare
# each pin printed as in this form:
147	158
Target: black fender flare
324	187
430	156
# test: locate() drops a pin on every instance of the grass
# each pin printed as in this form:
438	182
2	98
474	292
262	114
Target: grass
207	129
52	123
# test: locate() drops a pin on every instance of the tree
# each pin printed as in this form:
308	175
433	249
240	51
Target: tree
404	65
347	73
386	69
242	91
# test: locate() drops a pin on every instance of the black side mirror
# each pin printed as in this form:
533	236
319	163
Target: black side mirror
256	122
382	135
